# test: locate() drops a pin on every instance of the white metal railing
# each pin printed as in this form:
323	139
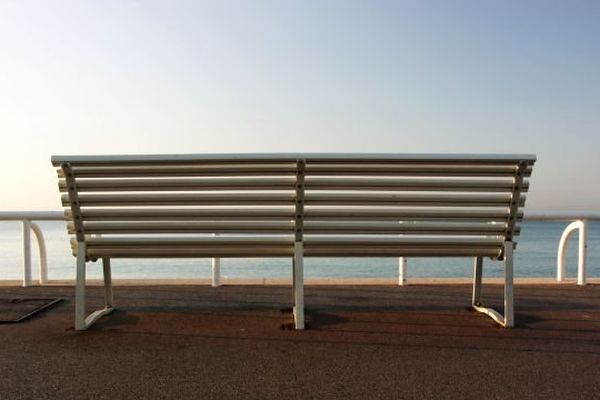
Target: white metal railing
580	221
27	218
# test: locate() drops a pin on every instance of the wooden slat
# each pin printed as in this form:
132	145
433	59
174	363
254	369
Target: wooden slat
400	251
263	183
191	170
381	227
182	199
230	240
154	159
190	252
249	252
178	184
382	169
383	214
447	185
156	214
407	240
322	213
409	199
187	227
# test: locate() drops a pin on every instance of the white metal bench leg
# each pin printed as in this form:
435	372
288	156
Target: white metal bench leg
509	316
108	292
507	320
81	321
80	288
477	270
298	284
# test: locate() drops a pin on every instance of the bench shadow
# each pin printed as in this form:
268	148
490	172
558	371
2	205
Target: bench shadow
117	319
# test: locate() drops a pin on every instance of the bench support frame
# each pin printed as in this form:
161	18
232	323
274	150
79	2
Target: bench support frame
508	320
81	321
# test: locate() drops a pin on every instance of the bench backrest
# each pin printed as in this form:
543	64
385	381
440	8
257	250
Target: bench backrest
337	204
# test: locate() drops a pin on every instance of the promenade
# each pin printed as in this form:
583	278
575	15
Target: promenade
364	341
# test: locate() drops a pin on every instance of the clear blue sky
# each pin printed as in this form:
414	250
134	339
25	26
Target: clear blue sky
260	76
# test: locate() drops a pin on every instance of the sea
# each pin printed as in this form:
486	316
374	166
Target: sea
535	257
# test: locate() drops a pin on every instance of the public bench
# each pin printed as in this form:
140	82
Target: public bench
295	206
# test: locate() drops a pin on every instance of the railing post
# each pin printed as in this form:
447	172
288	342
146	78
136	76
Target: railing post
216	269
216	272
402	262
26	253
582	262
42	251
561	261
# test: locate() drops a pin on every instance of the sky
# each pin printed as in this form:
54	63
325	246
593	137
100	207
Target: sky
111	77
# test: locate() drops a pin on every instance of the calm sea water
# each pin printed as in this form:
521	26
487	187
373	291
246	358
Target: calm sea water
535	257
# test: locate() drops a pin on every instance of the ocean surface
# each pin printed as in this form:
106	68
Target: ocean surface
535	257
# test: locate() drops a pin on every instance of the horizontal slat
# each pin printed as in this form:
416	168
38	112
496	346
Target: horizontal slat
382	214
134	247
249	240
481	170
381	227
186	227
410	199
400	251
266	251
113	214
286	240
310	227
354	184
140	247
369	214
150	159
448	185
340	199
174	184
190	252
408	240
175	170
181	199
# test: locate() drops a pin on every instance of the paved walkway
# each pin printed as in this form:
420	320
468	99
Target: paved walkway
365	342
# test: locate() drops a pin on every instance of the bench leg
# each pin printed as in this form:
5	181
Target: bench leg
80	288
477	269
507	320
108	292
81	321
298	285
509	315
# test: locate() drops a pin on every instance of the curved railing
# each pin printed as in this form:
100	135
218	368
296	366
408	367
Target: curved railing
580	221
27	218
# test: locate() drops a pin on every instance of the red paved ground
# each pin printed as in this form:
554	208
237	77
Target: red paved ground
378	342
